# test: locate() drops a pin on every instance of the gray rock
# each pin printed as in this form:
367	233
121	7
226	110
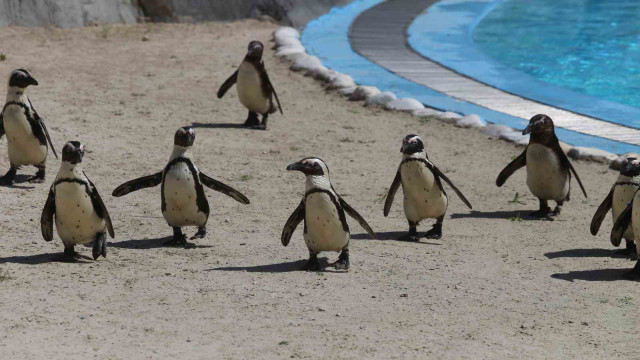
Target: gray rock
380	99
617	163
451	115
404	104
66	14
364	92
306	62
427	112
470	121
348	91
342	81
496	130
597	155
515	137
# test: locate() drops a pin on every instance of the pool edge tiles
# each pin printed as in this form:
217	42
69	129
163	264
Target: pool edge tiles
328	38
443	34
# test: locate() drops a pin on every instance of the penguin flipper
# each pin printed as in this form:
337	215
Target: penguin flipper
514	165
266	81
223	188
137	184
43	126
99	207
577	177
601	213
621	225
46	219
290	226
228	84
1	125
392	192
444	177
354	214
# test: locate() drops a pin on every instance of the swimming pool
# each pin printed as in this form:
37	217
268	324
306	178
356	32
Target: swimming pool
589	46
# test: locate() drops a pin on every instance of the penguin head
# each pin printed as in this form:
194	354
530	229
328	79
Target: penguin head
310	166
254	51
72	152
412	144
539	124
630	167
185	136
21	78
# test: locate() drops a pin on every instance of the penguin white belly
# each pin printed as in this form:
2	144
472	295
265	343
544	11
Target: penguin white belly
622	195
422	196
324	229
635	219
250	89
180	198
76	220
545	178
24	147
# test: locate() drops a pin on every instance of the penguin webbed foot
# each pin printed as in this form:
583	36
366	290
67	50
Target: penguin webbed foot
252	120
100	246
38	178
202	232
630	250
409	237
343	261
178	239
8	179
71	256
633	274
435	233
542	214
312	264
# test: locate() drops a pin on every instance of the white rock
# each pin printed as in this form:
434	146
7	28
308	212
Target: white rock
306	62
427	112
364	92
617	163
288	50
470	121
515	136
288	41
293	57
496	130
597	155
381	99
342	81
451	115
322	73
284	33
404	104
348	91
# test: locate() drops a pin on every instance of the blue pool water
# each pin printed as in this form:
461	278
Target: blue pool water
590	46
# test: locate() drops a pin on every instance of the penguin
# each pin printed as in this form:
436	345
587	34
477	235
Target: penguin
620	195
548	168
255	90
80	214
629	218
27	135
323	212
424	195
183	201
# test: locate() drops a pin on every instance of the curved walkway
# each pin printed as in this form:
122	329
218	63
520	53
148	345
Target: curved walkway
379	34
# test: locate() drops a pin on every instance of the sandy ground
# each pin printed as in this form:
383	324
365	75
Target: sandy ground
493	287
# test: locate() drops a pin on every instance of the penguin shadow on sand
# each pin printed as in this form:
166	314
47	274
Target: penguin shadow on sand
21	179
154	244
584	253
500	214
391	236
291	266
36	259
594	275
220	126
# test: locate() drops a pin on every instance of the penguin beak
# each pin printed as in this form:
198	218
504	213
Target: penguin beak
32	81
296	166
528	129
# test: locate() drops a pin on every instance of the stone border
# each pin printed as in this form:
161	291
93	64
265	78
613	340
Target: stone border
289	47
